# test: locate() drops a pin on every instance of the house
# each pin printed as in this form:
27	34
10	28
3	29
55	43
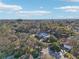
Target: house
42	36
54	53
67	47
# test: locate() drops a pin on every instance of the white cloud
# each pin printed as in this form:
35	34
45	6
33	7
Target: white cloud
72	0
34	13
69	8
19	10
9	7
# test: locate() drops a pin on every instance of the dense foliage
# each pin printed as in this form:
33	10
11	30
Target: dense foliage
17	37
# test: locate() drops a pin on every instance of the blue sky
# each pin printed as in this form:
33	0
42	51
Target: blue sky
39	9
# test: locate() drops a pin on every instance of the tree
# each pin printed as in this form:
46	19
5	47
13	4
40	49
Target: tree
55	47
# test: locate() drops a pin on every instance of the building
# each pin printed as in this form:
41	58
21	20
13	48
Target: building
42	36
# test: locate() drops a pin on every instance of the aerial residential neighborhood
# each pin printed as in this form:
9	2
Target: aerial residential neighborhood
39	29
37	39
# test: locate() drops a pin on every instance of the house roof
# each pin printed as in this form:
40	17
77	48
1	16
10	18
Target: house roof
68	47
42	34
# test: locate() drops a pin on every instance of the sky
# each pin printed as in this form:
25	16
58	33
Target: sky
39	9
